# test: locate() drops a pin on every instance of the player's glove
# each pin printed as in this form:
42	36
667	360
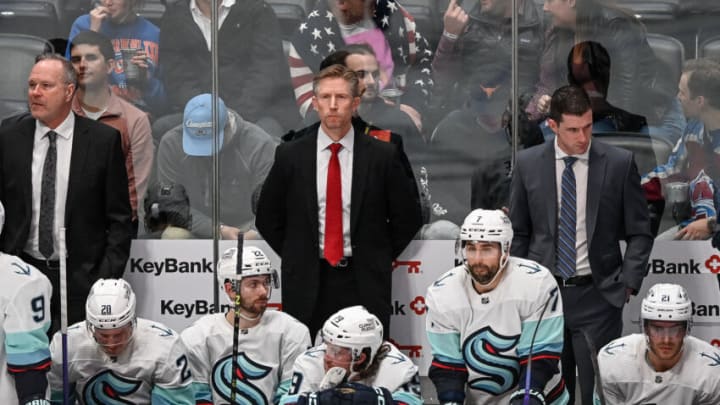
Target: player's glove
333	377
37	402
536	398
348	394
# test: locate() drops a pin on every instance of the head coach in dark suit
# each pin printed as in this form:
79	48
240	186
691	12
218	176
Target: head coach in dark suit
61	170
572	201
338	207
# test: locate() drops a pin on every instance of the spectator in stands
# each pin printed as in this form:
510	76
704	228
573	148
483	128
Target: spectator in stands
92	57
117	19
373	108
253	71
476	45
246	155
633	70
402	52
695	159
167	212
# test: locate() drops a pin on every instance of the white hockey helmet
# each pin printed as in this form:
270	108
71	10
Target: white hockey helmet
356	329
254	263
666	302
110	305
487	226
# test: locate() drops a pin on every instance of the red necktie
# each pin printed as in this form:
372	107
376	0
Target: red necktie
333	210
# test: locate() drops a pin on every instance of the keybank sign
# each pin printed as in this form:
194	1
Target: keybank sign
170	265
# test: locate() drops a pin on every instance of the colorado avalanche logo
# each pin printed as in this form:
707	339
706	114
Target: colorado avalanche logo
247	370
481	351
107	388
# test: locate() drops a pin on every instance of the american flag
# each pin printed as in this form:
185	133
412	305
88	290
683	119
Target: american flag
319	35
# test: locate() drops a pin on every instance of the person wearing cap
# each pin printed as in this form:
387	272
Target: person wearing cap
269	341
114	356
664	364
245	152
167	212
353	365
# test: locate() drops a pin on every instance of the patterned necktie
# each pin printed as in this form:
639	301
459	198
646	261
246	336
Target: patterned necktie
47	198
333	210
566	254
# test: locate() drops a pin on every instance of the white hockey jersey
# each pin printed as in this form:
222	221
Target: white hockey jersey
24	320
266	354
397	373
490	334
628	379
154	368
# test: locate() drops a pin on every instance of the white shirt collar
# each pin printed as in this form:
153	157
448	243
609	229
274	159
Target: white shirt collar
347	141
560	154
65	129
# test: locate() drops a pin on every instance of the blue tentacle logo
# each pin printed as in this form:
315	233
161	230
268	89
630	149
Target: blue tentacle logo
247	370
106	388
481	351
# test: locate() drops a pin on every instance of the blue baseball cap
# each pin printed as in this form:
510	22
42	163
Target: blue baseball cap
197	125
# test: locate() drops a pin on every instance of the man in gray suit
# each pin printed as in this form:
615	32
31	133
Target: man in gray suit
572	201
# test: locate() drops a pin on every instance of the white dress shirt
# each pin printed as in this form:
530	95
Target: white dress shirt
582	267
345	156
203	22
64	152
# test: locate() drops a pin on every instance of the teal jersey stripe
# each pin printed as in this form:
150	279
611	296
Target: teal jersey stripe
549	337
446	347
28	341
202	391
282	389
173	396
289	399
406	397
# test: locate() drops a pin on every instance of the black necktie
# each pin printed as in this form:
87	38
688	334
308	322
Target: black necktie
47	198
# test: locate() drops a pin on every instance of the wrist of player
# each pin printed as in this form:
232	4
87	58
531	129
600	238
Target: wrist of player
36	400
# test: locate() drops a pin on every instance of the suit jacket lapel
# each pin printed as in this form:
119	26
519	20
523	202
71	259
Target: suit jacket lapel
308	173
549	183
359	175
26	142
80	151
596	178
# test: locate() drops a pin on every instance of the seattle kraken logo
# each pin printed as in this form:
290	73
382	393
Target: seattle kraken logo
481	351
245	392
107	388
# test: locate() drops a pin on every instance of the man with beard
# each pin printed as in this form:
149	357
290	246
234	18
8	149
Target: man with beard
495	309
270	341
663	364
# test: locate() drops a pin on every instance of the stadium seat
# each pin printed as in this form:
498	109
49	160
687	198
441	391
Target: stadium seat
18	56
670	51
31	17
290	13
710	48
649	151
153	10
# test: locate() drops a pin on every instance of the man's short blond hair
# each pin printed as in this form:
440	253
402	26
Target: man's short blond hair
338	71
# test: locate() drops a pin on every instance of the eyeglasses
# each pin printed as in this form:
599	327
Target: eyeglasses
361	74
657	331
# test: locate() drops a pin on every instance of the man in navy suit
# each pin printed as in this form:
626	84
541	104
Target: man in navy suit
88	193
605	205
337	244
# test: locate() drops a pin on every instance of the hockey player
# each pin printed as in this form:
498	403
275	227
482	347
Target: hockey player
24	321
114	357
268	344
495	323
663	364
354	365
